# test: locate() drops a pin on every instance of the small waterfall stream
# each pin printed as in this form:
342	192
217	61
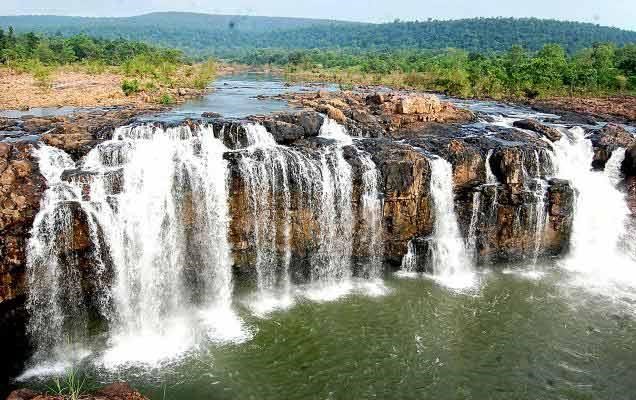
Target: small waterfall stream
449	262
600	219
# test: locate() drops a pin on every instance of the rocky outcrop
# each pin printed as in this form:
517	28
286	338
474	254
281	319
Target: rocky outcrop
21	188
114	391
380	114
608	139
548	132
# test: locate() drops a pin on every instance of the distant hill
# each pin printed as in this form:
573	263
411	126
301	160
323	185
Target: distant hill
204	34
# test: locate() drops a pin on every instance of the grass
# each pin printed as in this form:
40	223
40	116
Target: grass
72	386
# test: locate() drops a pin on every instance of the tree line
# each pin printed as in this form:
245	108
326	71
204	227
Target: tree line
517	72
60	50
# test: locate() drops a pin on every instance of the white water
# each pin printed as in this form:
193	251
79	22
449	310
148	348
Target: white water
371	215
450	264
540	209
165	238
471	241
56	297
600	219
267	183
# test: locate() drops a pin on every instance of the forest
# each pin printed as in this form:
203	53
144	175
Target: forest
203	35
601	69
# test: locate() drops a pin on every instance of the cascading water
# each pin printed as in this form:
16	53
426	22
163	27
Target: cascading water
600	218
471	241
331	263
58	312
540	213
449	261
267	182
372	216
165	235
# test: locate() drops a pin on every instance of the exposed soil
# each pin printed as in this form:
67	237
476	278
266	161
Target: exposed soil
20	91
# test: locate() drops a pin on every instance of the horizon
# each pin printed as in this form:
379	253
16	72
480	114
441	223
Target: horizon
615	13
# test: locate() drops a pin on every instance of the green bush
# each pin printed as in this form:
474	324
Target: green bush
130	86
166	99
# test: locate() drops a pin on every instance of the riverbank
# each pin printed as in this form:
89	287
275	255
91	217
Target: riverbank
575	109
89	86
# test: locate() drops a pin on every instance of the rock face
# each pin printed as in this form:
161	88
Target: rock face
21	188
608	139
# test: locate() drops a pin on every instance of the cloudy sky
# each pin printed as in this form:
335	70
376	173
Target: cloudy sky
621	13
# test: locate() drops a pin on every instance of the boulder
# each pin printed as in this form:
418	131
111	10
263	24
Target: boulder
333	113
549	132
608	139
419	104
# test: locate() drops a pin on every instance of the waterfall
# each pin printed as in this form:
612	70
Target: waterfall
331	262
372	216
613	166
55	299
540	214
491	179
600	218
449	261
409	261
158	205
267	180
471	241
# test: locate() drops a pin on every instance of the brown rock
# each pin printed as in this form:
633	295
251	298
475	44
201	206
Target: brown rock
22	394
420	104
550	133
22	168
333	113
375	98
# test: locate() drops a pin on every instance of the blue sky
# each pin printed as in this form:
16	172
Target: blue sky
621	13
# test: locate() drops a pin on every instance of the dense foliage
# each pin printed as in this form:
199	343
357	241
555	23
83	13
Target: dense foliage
146	68
64	50
603	68
201	34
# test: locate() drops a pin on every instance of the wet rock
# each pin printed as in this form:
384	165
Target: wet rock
549	132
628	168
210	114
608	139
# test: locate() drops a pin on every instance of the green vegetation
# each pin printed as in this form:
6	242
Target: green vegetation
601	69
130	86
202	35
22	50
72	386
151	69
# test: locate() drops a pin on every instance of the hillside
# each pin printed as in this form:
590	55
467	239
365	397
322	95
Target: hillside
202	34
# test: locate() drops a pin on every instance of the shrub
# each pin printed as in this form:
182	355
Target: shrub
130	86
166	99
